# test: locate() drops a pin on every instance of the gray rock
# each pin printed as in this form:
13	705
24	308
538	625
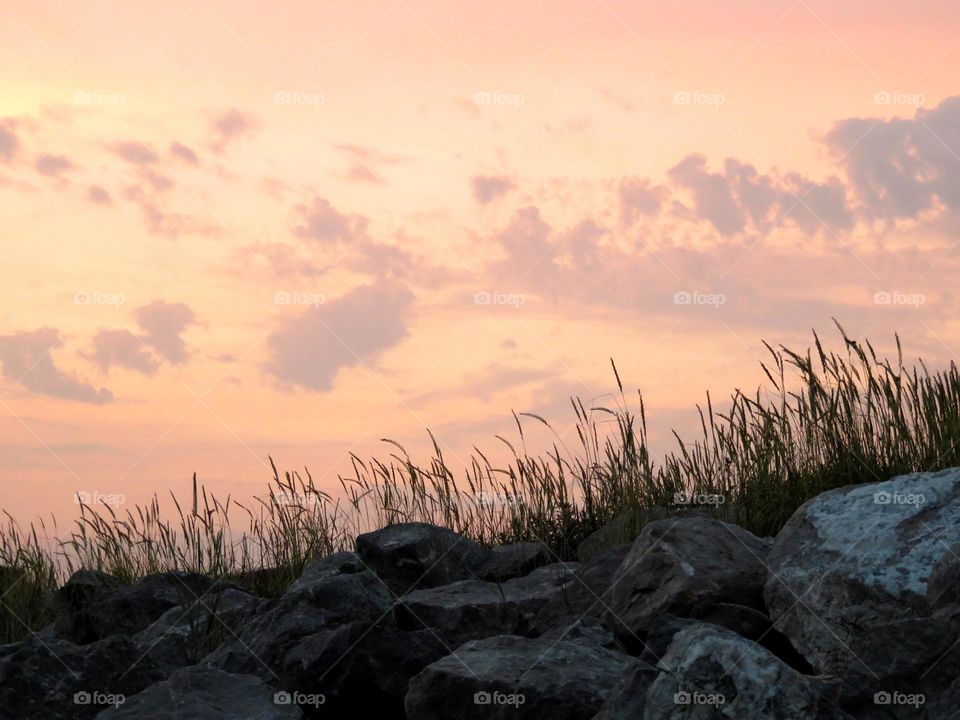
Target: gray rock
586	630
688	567
341	563
515	560
592	590
202	693
60	680
474	609
627	700
864	583
711	672
411	556
264	640
514	677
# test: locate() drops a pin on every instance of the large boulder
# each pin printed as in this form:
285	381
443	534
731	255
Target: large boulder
712	672
591	592
202	693
360	670
474	609
411	556
694	567
515	677
93	605
326	601
60	680
864	583
514	560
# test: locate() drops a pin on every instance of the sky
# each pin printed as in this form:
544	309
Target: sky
234	230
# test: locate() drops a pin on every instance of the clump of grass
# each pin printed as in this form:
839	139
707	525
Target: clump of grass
828	419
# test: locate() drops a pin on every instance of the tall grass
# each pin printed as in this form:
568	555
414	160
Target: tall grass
827	419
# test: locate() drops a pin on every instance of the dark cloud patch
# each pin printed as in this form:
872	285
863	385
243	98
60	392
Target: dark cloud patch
121	348
163	323
899	168
52	165
487	188
322	222
184	154
639	198
712	195
307	350
230	126
26	360
98	196
136	153
9	142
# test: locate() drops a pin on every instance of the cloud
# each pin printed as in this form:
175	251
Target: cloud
52	165
309	349
26	360
136	153
487	188
638	197
163	323
363	161
899	168
183	153
9	142
322	222
124	349
231	126
712	195
98	195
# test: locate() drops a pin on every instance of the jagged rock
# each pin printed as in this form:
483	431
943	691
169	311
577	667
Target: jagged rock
583	629
591	592
361	670
56	679
626	701
688	567
474	609
341	563
93	605
201	693
328	600
712	672
514	677
411	556
864	582
185	634
515	560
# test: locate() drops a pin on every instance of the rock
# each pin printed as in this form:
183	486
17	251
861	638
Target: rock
688	567
515	560
712	672
864	582
59	680
202	693
591	591
514	677
184	635
361	670
413	556
583	629
327	601
627	700
341	563
92	605
474	609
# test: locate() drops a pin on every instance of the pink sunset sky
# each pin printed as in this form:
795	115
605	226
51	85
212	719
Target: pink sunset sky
234	229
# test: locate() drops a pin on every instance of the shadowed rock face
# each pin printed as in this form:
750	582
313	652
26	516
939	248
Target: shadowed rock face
864	582
412	556
515	677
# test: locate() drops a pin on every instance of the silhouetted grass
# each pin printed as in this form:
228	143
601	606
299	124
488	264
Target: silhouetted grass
829	419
